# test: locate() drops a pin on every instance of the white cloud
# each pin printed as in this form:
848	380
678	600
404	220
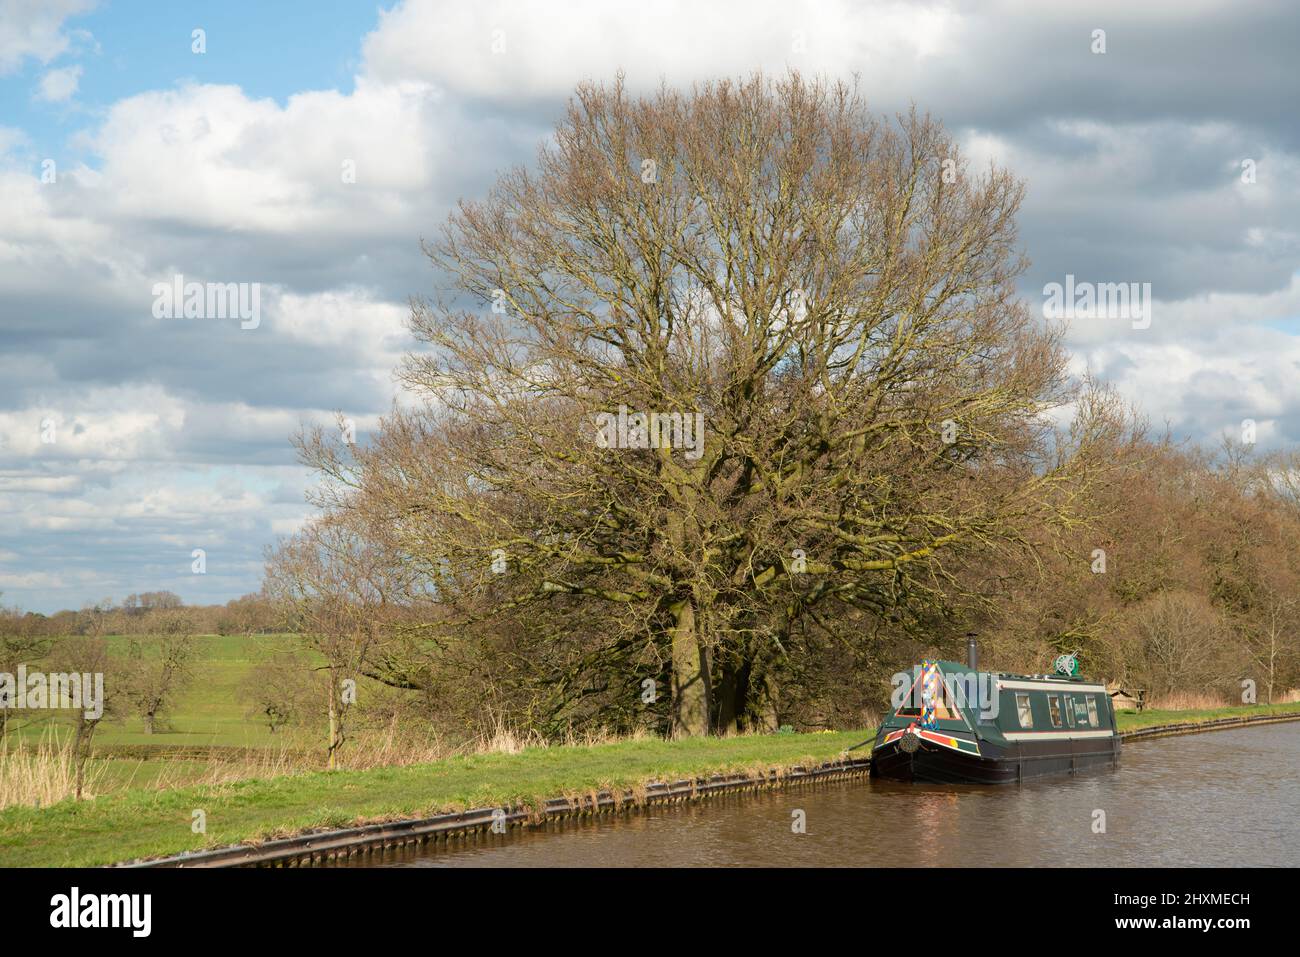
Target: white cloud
31	581
59	86
517	50
212	157
289	526
1208	385
38	483
115	423
34	28
375	331
1201	318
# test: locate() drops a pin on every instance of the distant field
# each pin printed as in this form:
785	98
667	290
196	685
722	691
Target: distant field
208	713
209	733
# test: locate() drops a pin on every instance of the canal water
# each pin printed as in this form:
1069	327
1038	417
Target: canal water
1229	798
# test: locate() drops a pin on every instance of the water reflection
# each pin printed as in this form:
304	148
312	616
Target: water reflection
1223	798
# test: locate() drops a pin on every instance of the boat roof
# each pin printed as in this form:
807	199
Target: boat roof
953	666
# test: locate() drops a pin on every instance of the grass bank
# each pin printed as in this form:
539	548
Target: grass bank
135	823
1150	718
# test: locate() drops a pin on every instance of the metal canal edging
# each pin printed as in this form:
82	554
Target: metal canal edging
1219	724
325	846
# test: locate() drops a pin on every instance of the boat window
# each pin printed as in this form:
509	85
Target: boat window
1092	710
1080	711
1054	709
1024	712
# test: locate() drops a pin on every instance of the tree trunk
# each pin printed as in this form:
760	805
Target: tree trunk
334	723
769	714
690	711
80	760
148	724
1272	664
731	690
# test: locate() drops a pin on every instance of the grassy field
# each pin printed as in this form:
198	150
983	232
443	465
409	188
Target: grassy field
208	713
208	736
140	823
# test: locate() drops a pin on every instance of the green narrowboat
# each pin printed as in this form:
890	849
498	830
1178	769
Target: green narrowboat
956	724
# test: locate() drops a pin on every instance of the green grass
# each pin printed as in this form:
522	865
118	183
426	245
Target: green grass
207	713
1133	720
138	823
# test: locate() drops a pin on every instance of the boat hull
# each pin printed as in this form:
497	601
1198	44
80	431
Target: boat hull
995	764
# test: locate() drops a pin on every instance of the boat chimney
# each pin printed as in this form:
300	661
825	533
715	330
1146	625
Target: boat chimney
972	654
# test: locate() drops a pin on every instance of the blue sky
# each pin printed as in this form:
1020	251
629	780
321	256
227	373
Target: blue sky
228	167
128	46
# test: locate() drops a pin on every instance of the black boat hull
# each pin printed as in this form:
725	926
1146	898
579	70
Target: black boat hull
995	765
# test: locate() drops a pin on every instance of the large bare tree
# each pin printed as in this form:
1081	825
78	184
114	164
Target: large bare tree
724	366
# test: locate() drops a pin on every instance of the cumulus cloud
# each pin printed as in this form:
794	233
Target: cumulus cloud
35	29
520	51
1207	388
209	157
59	86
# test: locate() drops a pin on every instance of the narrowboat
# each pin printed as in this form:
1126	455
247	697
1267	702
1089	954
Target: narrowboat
956	724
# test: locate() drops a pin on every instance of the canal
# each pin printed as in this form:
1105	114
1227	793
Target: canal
1229	798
